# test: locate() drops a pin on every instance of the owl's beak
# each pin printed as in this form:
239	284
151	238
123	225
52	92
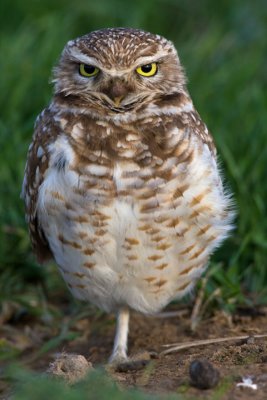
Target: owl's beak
117	100
117	91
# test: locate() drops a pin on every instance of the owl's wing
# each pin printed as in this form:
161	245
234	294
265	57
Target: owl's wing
188	123
194	123
45	132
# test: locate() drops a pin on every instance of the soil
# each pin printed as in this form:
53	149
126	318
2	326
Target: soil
234	360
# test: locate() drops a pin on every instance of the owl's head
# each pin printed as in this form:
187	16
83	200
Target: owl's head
118	70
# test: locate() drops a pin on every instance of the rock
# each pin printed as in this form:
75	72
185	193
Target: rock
203	375
70	367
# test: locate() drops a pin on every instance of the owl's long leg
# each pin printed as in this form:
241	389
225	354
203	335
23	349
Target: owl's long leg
119	353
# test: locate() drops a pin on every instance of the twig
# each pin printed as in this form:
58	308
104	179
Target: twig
187	345
171	314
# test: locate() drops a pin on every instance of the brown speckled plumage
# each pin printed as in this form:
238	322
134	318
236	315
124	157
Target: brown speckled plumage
121	184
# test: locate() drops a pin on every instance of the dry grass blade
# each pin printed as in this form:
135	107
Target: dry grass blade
171	314
177	347
196	312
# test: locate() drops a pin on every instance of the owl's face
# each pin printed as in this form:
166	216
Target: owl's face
115	71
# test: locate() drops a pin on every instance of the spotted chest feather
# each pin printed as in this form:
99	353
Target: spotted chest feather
126	223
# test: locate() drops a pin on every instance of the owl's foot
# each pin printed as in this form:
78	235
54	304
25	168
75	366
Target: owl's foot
118	357
119	361
137	362
116	360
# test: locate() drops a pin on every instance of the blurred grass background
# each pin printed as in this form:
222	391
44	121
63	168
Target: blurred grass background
223	48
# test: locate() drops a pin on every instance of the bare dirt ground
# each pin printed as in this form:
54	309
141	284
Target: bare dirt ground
168	373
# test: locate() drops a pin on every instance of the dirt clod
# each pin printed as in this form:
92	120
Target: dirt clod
203	375
133	365
70	367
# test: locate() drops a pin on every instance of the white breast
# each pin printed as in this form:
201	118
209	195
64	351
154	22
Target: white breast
115	253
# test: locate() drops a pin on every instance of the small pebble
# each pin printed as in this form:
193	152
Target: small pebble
203	375
251	340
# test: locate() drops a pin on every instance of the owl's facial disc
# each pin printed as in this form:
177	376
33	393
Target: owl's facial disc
123	78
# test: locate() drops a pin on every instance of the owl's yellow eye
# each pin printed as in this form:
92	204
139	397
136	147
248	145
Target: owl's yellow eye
88	70
147	69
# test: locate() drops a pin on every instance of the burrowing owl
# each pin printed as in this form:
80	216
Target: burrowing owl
122	186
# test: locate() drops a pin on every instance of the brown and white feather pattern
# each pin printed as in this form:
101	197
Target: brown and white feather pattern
130	206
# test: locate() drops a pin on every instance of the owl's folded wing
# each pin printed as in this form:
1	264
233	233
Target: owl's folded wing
37	163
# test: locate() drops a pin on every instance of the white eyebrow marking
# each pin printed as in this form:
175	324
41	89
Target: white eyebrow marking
80	57
75	53
149	59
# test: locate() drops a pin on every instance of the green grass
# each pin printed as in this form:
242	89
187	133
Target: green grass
97	385
223	48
